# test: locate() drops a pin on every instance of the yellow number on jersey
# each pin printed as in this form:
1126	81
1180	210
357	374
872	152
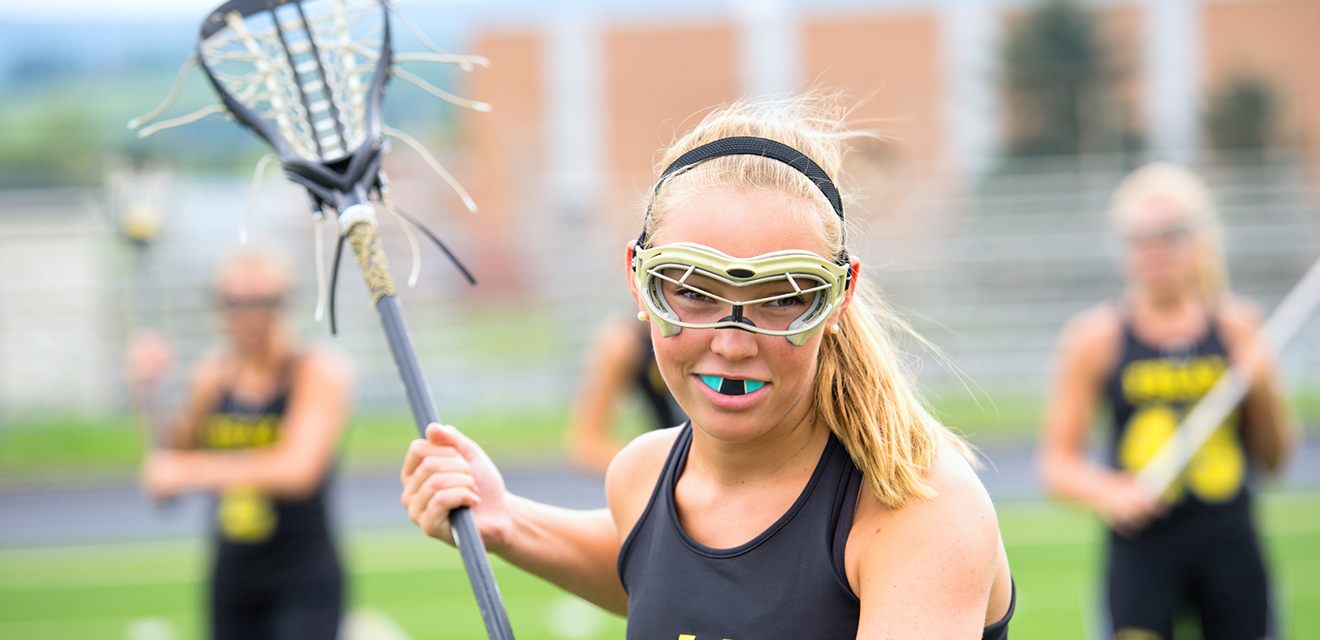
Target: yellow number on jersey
245	515
1214	474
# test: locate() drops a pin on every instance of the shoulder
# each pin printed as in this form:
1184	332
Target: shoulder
323	365
959	508
955	532
632	475
1095	326
940	554
1090	338
210	370
1240	319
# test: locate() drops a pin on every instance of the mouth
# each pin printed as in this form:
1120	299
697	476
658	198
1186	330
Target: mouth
731	386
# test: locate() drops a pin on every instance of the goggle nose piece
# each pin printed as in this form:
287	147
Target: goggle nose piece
738	317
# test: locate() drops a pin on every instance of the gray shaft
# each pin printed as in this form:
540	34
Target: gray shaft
469	542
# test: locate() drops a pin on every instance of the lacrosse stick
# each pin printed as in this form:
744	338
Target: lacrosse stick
307	77
1204	418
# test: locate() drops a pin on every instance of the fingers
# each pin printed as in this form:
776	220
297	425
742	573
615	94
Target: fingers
1136	514
419	450
445	435
430	507
431	466
449	489
436	479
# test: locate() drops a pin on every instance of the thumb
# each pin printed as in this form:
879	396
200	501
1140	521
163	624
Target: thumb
446	435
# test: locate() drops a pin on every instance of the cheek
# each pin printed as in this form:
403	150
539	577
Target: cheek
798	363
673	353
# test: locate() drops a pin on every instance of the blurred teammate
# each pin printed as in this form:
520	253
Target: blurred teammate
809	495
1148	357
259	430
619	363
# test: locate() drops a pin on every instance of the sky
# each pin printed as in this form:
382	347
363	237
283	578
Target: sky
135	10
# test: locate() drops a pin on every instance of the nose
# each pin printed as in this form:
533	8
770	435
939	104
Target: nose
733	343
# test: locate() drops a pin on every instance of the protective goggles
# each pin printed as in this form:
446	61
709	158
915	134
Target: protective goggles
783	293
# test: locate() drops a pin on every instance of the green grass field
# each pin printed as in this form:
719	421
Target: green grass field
112	590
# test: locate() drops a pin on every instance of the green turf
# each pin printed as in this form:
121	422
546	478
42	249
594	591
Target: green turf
53	445
101	590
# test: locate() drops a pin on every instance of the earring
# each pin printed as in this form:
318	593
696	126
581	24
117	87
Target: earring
642	317
835	329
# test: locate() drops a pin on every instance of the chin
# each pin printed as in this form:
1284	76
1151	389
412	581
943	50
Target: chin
727	428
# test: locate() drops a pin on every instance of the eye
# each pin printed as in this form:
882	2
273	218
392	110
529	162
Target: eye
688	294
789	302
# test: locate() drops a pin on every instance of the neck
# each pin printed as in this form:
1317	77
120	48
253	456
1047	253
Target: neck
795	443
1172	301
266	357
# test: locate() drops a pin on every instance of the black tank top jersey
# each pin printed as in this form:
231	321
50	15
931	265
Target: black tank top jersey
646	377
1150	391
257	534
788	582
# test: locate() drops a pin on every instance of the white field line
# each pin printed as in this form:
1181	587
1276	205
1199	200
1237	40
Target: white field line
362	623
435	557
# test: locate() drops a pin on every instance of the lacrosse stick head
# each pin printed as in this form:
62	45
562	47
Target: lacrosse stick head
307	77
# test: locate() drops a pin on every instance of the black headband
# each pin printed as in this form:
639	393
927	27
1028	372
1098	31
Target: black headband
751	146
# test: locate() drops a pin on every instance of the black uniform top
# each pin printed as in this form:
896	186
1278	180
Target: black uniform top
257	535
1149	392
646	377
788	582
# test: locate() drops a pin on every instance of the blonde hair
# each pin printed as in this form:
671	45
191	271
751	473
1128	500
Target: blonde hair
1180	189
862	392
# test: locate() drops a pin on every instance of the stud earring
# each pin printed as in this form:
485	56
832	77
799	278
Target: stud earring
642	317
835	329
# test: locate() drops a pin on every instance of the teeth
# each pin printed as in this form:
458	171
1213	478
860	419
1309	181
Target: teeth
732	387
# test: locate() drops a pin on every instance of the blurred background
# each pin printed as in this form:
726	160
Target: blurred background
1007	125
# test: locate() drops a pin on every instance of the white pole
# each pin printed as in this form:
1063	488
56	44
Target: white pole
1206	416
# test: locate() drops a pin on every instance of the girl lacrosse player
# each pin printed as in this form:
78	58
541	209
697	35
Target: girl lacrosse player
810	495
1150	356
259	430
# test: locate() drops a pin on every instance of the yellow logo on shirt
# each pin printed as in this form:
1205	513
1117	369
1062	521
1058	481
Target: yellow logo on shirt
238	431
1159	389
245	515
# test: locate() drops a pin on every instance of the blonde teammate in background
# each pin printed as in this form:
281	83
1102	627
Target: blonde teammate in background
1149	356
620	363
260	429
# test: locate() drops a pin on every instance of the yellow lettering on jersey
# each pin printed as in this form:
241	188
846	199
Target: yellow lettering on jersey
688	636
231	431
1165	380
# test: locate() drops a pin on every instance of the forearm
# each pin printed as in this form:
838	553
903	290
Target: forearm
573	549
272	471
1270	429
156	423
1075	478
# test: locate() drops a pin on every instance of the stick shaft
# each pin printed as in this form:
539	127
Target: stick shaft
470	546
1204	418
